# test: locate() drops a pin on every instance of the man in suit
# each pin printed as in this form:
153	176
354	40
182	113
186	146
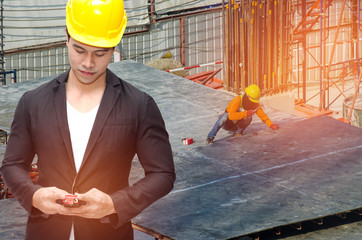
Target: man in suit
85	127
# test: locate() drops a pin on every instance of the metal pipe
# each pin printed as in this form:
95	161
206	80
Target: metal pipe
10	72
247	43
223	44
304	46
265	45
183	41
259	45
255	43
242	46
335	43
153	18
305	15
355	26
269	46
227	60
359	16
211	76
2	63
354	98
237	48
275	46
322	103
282	47
251	44
321	53
233	44
162	19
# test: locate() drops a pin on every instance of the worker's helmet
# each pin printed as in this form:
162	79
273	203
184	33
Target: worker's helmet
99	23
253	92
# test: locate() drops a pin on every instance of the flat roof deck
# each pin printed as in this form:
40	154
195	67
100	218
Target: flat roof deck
263	180
308	169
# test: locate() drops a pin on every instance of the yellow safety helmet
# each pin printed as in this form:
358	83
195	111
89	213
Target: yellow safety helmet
98	23
253	92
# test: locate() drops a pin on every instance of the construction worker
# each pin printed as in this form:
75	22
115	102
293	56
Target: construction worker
85	126
238	115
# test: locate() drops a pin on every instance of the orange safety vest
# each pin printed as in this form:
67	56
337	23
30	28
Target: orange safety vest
236	111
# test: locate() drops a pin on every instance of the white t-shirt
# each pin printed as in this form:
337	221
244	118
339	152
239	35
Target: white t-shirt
80	127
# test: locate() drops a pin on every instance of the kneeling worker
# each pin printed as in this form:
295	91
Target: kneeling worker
238	114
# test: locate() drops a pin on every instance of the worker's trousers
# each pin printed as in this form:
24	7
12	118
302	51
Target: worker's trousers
229	125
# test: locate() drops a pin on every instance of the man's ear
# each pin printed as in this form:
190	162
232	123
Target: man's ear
67	34
68	37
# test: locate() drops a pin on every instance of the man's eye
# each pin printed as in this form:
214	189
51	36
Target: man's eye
99	54
80	52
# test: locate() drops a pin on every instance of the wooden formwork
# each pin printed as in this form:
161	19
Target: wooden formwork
257	44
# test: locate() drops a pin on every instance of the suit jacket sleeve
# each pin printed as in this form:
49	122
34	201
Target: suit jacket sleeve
155	155
16	164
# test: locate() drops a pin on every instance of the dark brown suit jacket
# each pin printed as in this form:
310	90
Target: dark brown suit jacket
128	122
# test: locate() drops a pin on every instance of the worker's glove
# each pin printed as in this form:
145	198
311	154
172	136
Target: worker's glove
249	113
274	126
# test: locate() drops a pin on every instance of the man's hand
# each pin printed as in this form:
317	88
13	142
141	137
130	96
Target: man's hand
99	205
44	199
250	113
274	126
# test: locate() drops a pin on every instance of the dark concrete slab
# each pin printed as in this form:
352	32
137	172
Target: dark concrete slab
13	219
237	186
263	180
9	97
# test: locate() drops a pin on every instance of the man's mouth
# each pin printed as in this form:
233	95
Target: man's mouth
87	73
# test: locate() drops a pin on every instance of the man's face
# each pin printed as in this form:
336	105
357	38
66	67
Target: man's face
88	63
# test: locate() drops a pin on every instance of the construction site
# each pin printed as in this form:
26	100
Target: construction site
302	181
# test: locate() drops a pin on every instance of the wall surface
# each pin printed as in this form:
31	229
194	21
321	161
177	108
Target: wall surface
203	44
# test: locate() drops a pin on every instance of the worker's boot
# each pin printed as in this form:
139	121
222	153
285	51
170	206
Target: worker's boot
237	134
209	140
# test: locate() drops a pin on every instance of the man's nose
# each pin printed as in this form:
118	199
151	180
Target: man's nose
88	61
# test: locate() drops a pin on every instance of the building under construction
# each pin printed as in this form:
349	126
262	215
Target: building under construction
279	45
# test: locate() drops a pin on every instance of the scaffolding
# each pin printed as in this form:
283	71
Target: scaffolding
2	62
333	71
283	45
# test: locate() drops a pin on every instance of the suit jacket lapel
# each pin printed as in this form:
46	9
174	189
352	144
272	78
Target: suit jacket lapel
60	107
109	98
